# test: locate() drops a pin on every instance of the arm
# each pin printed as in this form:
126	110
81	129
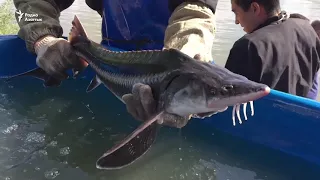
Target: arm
48	11
244	60
212	4
191	27
191	30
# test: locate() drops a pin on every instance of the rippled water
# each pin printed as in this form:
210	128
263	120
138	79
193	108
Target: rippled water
60	133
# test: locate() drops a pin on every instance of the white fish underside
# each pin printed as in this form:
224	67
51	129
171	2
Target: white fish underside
183	106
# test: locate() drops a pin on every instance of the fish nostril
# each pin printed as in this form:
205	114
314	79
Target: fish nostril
227	87
212	91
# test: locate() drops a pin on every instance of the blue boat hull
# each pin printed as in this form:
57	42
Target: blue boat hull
282	121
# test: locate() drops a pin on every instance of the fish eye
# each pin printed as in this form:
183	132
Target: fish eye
227	87
212	91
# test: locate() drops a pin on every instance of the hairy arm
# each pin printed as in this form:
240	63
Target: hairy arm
48	11
191	27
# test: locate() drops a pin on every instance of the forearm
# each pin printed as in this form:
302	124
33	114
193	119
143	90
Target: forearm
211	4
191	29
48	13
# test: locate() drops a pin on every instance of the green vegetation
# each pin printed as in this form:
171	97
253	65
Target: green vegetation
8	23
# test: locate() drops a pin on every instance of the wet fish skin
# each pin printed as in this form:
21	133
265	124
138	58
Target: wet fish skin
180	84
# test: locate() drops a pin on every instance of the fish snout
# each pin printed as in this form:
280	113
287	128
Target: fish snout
265	90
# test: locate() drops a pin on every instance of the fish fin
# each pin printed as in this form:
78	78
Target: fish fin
132	147
95	82
38	73
77	28
77	70
77	33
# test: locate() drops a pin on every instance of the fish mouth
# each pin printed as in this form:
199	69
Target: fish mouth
231	101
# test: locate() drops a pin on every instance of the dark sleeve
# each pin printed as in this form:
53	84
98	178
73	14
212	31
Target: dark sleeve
48	11
244	60
313	92
212	4
96	5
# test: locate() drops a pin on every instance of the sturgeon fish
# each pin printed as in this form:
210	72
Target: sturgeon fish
181	86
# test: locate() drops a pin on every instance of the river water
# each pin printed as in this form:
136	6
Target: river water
60	133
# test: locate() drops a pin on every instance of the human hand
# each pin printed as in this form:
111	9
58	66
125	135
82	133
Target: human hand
142	106
55	57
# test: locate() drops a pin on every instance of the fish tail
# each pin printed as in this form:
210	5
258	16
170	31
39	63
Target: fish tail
78	38
80	42
77	35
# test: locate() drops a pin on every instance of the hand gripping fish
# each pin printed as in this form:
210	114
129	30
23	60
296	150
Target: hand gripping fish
180	84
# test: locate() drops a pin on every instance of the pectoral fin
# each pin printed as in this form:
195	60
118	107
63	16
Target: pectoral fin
78	69
132	147
95	82
38	73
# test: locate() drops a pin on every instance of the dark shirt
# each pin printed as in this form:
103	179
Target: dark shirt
313	93
281	54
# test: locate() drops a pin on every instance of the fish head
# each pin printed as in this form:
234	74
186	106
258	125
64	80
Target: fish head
202	87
